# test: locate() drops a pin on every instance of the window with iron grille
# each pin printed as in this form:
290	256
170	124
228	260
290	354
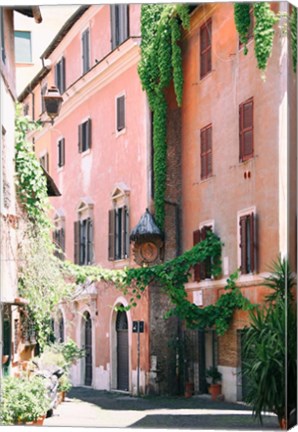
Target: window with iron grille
119	24
206	152
85	136
83	242
85	51
205	48
248	243
246	129
120	118
118	233
61	152
60	75
202	270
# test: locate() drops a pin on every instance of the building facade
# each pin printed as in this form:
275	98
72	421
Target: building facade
231	168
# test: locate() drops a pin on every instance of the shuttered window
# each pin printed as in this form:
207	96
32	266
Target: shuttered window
119	24
205	48
44	161
60	75
206	152
120	113
83	242
118	233
246	145
42	93
248	243
85	136
61	152
202	270
85	51
59	241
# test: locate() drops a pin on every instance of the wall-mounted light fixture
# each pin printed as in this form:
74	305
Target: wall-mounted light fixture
53	101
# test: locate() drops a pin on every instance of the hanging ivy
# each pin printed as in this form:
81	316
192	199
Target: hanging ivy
293	27
242	22
161	61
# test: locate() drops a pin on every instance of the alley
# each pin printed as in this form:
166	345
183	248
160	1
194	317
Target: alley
93	408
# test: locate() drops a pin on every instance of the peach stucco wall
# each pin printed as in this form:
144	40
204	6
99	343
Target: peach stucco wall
215	99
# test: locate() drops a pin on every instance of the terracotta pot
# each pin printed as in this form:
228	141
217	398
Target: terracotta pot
215	390
40	420
189	388
63	393
283	423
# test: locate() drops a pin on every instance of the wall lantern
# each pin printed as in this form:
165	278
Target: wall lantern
148	241
53	101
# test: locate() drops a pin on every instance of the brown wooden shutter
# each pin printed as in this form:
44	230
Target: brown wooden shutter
252	242
63	83
120	113
196	240
246	130
80	144
77	242
89	241
243	244
205	48
89	134
127	232
111	235
206	152
63	151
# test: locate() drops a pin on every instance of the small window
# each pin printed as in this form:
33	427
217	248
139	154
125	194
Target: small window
61	152
120	113
119	24
202	270
43	91
60	75
118	233
205	48
22	40
26	109
85	136
246	149
206	152
44	161
248	243
59	242
83	235
85	51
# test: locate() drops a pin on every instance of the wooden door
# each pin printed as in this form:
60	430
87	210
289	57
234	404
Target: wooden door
122	351
88	350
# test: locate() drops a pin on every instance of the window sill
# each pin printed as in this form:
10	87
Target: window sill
207	179
60	169
208	74
249	42
119	133
120	263
246	161
86	152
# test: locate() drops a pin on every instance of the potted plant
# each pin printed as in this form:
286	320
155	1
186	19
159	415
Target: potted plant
23	400
215	386
64	385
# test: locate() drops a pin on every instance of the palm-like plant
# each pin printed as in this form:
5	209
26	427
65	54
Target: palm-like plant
270	347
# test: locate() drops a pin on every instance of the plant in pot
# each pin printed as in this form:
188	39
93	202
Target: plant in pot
23	400
215	386
64	385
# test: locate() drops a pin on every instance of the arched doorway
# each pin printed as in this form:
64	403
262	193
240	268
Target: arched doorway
122	351
87	345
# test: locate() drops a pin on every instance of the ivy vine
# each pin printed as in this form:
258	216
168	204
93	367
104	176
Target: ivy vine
161	61
293	27
242	22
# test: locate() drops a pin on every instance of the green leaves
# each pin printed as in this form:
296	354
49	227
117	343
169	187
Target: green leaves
242	22
293	27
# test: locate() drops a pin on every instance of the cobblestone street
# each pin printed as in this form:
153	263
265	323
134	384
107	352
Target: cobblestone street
85	407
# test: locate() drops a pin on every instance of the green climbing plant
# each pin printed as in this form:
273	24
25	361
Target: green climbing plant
242	22
161	62
293	27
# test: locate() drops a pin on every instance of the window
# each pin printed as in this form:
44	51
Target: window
247	243
85	51
205	51
22	42
60	75
118	233
83	233
43	91
120	113
85	136
206	152
26	109
246	130
44	161
3	55
119	24
59	242
59	234
250	33
61	152
202	270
